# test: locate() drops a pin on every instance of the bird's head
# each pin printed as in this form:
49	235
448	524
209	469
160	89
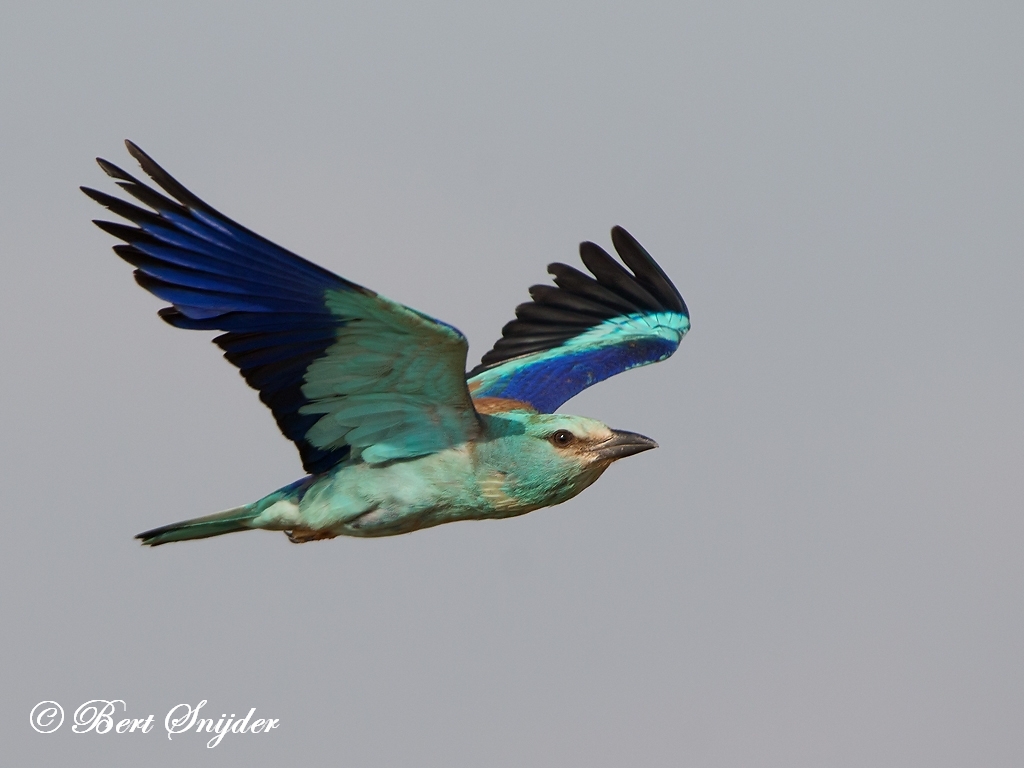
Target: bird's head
548	458
586	442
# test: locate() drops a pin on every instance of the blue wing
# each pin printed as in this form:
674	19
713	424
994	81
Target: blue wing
585	329
344	370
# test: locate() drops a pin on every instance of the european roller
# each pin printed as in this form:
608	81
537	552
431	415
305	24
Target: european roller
393	432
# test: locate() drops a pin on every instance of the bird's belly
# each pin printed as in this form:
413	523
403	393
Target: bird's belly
384	500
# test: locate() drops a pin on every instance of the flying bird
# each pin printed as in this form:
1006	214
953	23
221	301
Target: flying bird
393	432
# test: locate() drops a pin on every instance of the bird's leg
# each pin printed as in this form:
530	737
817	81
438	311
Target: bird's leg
302	535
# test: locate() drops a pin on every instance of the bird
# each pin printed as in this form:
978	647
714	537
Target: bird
393	434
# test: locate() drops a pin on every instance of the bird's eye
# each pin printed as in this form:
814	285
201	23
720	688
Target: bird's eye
562	438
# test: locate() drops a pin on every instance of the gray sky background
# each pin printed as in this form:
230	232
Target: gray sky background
820	566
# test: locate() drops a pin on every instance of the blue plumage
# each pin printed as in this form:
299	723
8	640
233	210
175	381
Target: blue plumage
217	275
585	330
356	380
547	382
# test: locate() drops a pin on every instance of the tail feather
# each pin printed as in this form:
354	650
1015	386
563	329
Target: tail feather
229	521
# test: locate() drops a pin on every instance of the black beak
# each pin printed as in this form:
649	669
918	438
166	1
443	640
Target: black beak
622	444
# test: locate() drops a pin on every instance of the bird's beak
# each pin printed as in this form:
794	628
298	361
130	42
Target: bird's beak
622	444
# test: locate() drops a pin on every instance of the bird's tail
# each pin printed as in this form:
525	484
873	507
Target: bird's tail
229	521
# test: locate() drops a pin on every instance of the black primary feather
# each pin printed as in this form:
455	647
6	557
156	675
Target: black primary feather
578	301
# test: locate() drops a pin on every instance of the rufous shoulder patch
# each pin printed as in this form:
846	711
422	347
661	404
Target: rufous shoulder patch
490	405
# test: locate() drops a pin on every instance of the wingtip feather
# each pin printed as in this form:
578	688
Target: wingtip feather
113	171
647	271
